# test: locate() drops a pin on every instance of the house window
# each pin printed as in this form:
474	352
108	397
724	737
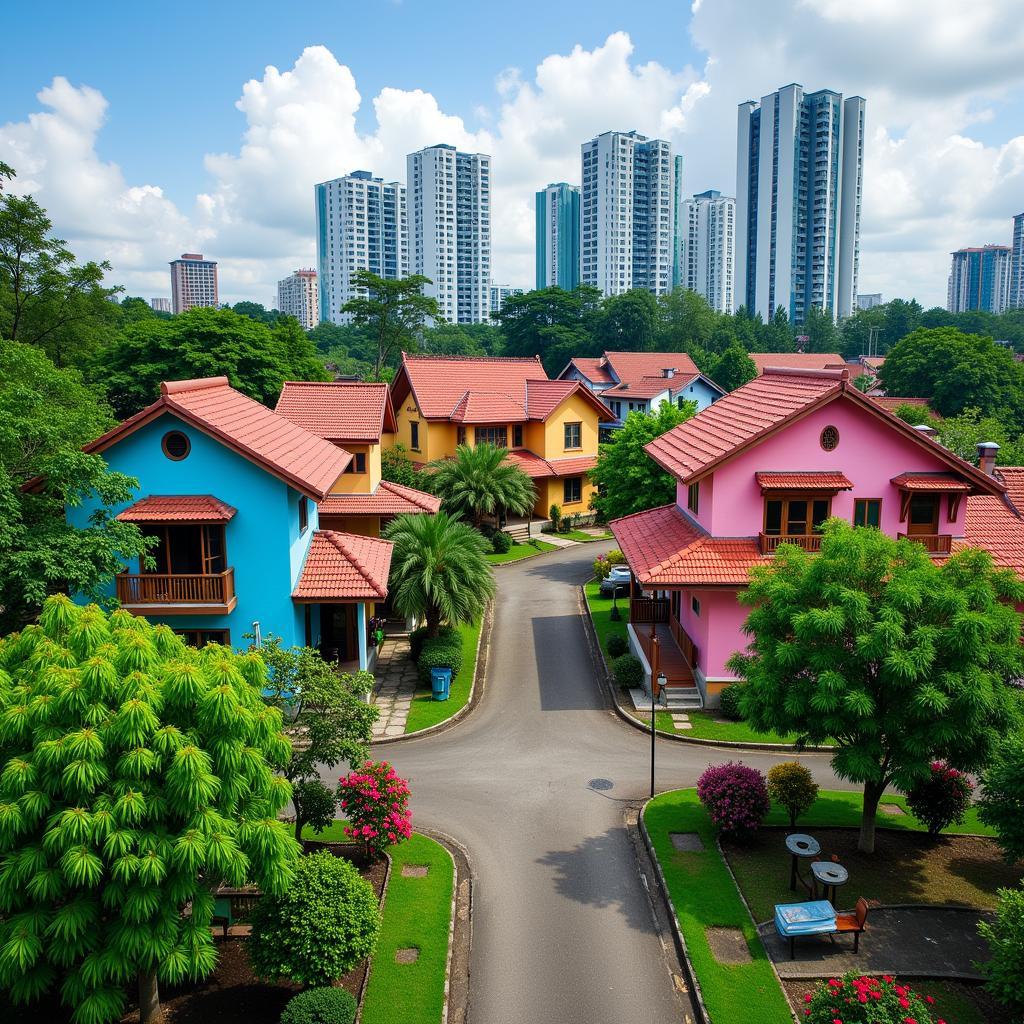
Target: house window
572	489
303	514
498	436
867	512
460	435
517	435
176	445
573	436
797	516
695	605
414	436
617	410
693	497
358	463
202	637
829	438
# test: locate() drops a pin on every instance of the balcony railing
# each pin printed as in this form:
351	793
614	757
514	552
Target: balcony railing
648	609
934	543
153	588
809	542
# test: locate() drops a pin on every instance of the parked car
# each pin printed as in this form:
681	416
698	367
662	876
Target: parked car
617	580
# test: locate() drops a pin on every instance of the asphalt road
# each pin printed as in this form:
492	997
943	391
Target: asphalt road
563	930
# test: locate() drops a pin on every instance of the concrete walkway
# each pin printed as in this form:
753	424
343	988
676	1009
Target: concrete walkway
923	942
395	686
556	541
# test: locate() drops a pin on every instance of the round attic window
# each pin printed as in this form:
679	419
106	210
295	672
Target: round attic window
829	438
176	445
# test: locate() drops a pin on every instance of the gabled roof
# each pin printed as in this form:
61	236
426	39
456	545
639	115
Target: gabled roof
630	366
664	548
650	387
338	410
816	480
344	567
595	369
996	522
177	508
765	405
489	407
798	360
543	397
390	499
536	467
301	459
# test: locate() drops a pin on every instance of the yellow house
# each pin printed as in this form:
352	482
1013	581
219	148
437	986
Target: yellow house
549	427
360	419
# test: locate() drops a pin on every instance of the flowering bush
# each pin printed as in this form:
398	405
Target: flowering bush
603	563
735	796
941	799
375	801
859	999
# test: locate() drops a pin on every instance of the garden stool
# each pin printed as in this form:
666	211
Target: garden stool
800	846
831	876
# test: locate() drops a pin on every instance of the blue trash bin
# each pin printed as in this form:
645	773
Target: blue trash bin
440	682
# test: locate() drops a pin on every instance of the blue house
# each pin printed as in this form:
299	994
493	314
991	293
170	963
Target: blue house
230	490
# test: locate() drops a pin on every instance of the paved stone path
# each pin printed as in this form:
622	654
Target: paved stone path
395	686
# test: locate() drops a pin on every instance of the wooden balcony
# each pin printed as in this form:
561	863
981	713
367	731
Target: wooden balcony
152	593
648	609
809	542
677	654
934	543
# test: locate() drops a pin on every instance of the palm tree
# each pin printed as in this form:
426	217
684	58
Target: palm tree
438	570
481	481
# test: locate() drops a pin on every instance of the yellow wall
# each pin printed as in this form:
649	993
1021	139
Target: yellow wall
551	492
360	483
363	526
409	412
574	410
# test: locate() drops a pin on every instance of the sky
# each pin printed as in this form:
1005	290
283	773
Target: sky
148	130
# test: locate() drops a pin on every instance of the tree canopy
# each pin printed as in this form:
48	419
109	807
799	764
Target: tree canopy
480	481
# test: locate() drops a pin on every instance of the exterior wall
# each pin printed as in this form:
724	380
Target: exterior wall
558	236
263	543
700	392
364	526
360	483
707	240
406	414
551	491
193	282
718	633
574	410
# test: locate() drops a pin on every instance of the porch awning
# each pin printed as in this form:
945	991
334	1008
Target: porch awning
930	482
178	508
344	567
803	481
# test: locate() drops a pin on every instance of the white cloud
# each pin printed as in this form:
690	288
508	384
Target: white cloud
932	71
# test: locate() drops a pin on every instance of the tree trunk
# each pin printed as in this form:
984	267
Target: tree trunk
433	621
149	998
872	794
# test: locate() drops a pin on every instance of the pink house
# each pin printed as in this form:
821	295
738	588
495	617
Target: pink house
769	463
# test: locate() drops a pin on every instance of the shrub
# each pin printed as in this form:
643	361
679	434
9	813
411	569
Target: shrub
322	926
555	515
941	799
792	786
859	999
418	637
1004	972
314	804
320	1006
617	645
628	671
501	543
735	796
729	702
1002	795
375	800
444	651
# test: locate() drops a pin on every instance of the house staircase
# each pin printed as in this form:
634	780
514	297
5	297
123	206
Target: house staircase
520	531
681	698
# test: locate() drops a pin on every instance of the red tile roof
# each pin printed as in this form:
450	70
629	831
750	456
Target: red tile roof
891	403
178	508
543	397
594	369
631	366
930	482
303	460
798	360
489	407
536	467
664	548
344	567
338	411
390	499
996	522
800	481
648	387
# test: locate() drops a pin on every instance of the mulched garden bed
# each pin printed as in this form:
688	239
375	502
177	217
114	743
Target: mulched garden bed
232	993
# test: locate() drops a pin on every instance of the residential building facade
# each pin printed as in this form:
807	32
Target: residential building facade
450	229
799	179
498	294
550	427
979	278
708	248
161	305
299	296
1016	290
361	224
764	466
627	216
193	282
557	239
868	300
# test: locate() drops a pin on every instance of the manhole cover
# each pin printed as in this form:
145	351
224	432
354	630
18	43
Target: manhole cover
728	945
415	870
688	842
407	956
600	784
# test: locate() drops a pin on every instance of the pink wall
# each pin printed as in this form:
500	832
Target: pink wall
717	631
870	453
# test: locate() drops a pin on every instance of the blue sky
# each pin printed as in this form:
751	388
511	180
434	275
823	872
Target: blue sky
124	119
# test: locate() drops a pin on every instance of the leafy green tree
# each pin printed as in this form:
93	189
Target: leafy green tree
256	311
915	415
438	570
872	646
46	415
329	720
733	368
628	322
820	328
138	775
1001	804
962	435
551	322
777	334
463	340
328	336
628	480
686	322
392	312
1004	969
481	481
396	466
204	342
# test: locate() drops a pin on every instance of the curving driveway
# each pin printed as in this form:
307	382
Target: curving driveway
563	929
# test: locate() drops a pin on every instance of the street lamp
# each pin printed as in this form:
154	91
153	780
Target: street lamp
662	680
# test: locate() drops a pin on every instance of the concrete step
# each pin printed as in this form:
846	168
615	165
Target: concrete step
684	698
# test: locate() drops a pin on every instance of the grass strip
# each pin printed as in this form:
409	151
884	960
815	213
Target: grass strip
518	551
424	710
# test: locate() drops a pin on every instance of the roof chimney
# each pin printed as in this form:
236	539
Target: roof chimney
987	456
927	429
668	371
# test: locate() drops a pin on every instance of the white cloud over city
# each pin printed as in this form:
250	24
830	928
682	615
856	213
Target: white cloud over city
935	73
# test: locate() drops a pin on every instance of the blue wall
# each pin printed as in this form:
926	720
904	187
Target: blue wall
262	540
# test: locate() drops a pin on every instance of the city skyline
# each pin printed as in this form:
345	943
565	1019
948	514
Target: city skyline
941	163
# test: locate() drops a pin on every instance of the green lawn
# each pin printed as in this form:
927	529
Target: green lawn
518	551
705	727
584	538
600	612
332	834
425	711
417	913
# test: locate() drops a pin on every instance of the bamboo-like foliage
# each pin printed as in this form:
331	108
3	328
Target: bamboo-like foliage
136	774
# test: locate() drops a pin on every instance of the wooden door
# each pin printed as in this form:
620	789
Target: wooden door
923	517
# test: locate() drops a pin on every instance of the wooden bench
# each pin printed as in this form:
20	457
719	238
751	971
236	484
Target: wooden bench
854	923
